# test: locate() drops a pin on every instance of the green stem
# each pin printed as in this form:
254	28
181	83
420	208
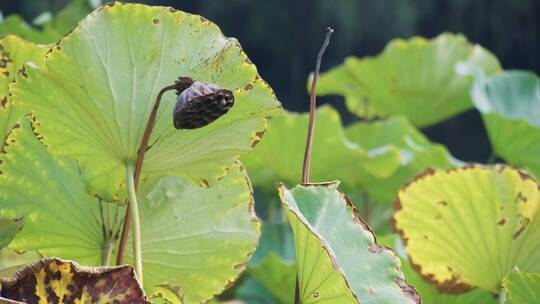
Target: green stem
134	215
311	131
106	252
502	296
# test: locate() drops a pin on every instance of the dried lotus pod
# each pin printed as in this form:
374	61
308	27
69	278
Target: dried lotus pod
200	103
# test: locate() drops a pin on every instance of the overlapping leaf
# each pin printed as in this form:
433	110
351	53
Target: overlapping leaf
8	228
470	226
397	136
428	292
61	218
58	281
14	53
98	84
522	287
414	78
280	156
335	268
510	107
276	275
53	28
196	238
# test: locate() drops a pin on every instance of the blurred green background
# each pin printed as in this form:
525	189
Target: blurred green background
282	38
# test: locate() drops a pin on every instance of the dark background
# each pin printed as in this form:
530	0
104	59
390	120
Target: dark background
282	38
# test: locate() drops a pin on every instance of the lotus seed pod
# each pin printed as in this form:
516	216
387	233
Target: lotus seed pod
200	104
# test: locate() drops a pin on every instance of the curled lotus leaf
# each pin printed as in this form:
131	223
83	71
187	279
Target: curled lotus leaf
53	280
337	269
415	78
510	107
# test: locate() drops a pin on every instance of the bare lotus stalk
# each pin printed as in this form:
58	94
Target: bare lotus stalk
313	108
311	128
198	105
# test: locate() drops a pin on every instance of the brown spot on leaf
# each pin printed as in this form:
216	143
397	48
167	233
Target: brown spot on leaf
23	72
520	198
442	203
522	222
155	21
248	87
257	138
204	183
501	222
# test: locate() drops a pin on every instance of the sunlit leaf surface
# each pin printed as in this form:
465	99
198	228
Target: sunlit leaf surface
470	226
94	94
427	291
510	107
196	238
335	268
64	282
415	78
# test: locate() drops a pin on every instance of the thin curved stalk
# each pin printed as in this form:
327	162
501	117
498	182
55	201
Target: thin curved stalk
313	108
311	129
134	215
137	174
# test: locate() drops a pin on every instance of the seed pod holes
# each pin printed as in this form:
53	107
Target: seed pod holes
200	103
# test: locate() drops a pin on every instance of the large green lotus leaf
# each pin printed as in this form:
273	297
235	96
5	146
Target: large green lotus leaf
9	228
336	252
470	226
277	276
195	238
279	157
95	92
510	107
415	78
61	219
415	152
522	288
14	54
58	281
